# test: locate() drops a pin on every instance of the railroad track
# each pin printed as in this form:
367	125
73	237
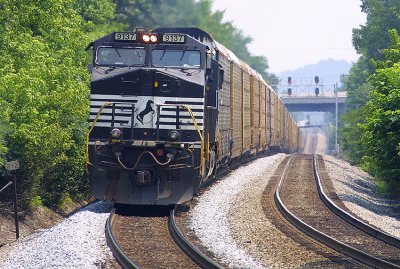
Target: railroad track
152	242
298	198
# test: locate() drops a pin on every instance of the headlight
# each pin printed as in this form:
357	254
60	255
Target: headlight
116	133
153	38
173	136
149	38
146	38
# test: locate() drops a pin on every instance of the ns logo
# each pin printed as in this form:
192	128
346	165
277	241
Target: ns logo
144	113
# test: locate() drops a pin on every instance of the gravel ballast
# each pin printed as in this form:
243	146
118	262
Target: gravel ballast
77	242
357	191
230	221
210	217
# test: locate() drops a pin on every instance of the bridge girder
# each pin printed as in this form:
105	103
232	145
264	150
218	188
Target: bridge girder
316	107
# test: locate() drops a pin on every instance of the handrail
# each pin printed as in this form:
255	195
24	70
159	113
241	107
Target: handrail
90	130
201	139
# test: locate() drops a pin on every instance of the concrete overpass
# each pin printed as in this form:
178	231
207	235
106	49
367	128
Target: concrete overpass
308	103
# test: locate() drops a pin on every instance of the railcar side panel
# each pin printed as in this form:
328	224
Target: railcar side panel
246	112
263	119
285	128
256	114
252	111
236	114
278	120
280	123
273	119
268	121
224	110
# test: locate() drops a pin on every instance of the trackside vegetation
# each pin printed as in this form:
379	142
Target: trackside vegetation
371	135
44	93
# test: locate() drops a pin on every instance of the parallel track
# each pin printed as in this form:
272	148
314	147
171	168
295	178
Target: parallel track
187	247
317	234
381	235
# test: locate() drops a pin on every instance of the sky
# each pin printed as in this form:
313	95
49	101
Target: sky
295	33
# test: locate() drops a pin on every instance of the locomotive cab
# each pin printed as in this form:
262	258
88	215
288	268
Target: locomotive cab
153	113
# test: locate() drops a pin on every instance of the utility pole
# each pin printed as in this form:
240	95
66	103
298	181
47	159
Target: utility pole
336	120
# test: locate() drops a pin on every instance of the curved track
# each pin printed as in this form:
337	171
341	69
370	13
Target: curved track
353	220
314	219
116	249
188	247
154	246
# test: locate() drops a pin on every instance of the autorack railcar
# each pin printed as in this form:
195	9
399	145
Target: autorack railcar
168	109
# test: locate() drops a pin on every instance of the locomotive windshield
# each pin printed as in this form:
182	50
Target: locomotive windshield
176	58
120	56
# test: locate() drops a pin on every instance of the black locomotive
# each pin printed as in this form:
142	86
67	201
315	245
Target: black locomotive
170	107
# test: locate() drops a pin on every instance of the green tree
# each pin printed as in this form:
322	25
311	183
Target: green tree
369	40
151	14
353	149
4	127
44	82
381	137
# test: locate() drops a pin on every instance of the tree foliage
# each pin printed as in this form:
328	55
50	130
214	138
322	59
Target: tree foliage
381	137
44	85
370	40
348	133
4	127
151	14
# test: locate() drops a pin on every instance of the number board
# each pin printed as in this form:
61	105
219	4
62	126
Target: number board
125	36
13	165
173	38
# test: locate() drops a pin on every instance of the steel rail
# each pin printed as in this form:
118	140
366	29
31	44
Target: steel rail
116	249
324	238
351	219
195	254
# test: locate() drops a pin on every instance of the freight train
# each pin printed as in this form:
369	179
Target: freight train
169	108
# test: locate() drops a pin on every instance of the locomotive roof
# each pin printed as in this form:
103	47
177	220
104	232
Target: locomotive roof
194	32
206	39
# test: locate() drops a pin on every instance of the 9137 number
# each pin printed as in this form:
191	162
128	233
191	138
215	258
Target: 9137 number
125	36
173	38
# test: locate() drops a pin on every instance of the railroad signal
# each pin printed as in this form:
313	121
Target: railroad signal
316	91
316	79
289	80
289	91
